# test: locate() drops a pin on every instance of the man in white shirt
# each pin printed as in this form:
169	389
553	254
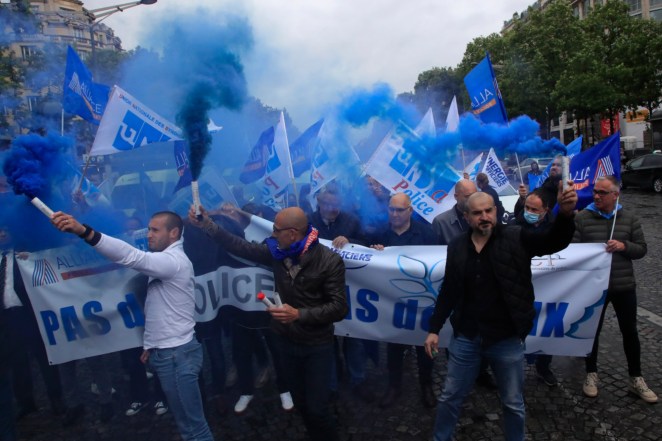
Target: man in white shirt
169	341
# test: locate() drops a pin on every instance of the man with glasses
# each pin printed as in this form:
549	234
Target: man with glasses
605	221
488	294
402	230
310	279
335	224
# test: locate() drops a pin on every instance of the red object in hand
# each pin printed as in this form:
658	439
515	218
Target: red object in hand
260	296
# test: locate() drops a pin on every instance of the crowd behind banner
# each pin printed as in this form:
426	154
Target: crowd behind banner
86	306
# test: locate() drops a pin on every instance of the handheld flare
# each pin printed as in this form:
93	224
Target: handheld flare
261	297
565	171
42	207
195	189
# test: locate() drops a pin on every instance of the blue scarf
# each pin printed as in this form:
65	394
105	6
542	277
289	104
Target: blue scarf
592	207
296	249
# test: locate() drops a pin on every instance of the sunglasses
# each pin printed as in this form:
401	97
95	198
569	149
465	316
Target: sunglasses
602	192
397	209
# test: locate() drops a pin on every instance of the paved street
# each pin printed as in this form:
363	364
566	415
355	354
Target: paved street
560	413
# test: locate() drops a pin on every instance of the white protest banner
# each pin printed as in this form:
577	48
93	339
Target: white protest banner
495	173
128	124
85	306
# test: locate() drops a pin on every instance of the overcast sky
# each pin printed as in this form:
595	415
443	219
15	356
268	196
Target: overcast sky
319	49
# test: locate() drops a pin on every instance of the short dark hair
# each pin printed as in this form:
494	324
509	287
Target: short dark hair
482	178
173	220
542	195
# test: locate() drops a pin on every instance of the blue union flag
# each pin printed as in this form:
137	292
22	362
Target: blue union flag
486	101
82	96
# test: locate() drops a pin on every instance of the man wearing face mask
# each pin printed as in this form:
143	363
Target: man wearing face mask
537	217
549	186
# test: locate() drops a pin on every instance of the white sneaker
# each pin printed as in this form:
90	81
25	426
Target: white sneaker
95	389
160	408
590	387
242	403
286	401
638	386
134	408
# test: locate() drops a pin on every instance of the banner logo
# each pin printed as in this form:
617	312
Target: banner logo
43	273
604	168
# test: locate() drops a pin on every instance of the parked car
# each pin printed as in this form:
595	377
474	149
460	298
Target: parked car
643	172
525	167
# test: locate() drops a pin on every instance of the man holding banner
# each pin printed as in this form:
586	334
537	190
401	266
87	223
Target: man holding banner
169	341
605	221
488	294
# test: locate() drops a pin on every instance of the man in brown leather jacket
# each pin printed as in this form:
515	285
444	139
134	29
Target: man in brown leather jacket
310	279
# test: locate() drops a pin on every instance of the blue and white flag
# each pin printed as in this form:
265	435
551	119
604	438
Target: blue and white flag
278	173
256	165
575	147
80	95
603	159
495	172
128	124
182	164
572	149
401	172
301	150
486	101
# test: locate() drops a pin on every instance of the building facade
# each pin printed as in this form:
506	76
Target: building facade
30	28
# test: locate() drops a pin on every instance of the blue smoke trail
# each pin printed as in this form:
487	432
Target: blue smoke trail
34	161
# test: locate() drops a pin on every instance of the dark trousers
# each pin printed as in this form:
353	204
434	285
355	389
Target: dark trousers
308	375
138	383
25	337
625	306
7	429
394	361
248	342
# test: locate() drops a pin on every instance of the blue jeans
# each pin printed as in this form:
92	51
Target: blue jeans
178	369
307	371
506	359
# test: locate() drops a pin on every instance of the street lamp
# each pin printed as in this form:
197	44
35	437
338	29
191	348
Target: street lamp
100	14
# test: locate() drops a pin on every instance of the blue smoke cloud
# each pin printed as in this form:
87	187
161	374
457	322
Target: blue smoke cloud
199	70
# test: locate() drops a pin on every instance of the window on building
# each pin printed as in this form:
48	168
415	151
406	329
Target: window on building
569	118
655	3
575	11
32	102
656	15
568	135
635	5
79	33
28	52
585	8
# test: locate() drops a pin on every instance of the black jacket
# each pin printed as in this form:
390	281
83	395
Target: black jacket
317	290
510	255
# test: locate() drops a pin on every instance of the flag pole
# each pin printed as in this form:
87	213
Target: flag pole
82	176
521	181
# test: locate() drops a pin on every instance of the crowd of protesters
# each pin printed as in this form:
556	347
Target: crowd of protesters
487	298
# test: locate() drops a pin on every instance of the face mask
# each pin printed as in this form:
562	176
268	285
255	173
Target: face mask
531	218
